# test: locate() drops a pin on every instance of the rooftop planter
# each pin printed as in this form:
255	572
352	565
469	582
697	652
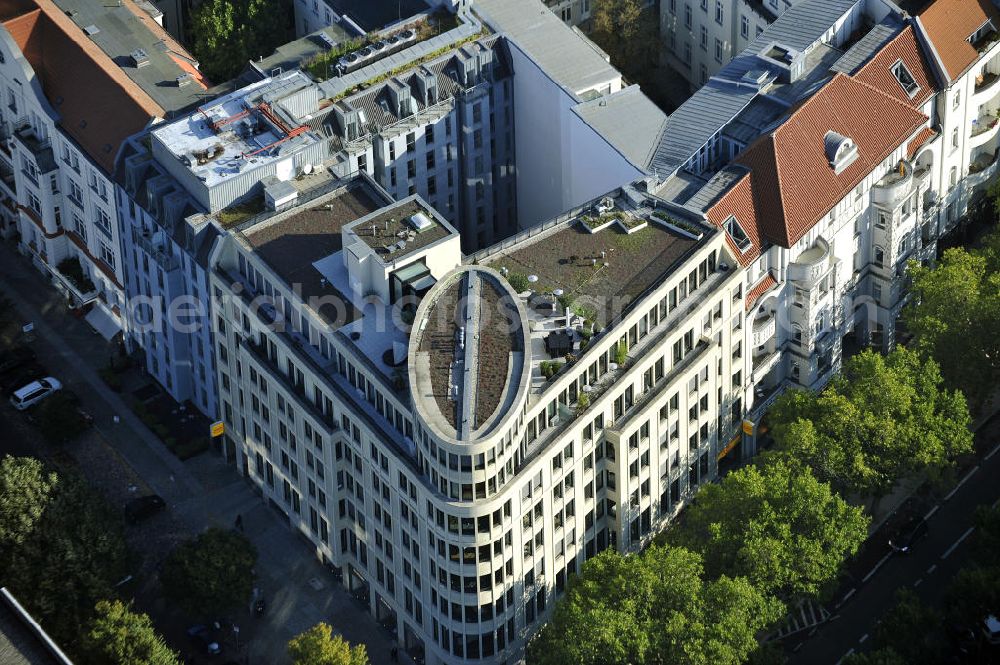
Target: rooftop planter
686	229
595	224
631	224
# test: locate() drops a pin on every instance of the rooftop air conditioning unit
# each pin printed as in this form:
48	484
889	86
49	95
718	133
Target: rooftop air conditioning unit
183	80
139	58
607	204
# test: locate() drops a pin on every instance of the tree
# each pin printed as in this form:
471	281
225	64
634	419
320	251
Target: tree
120	636
973	594
210	574
655	607
987	538
227	34
954	316
775	524
318	646
627	33
882	419
59	419
912	630
72	558
25	491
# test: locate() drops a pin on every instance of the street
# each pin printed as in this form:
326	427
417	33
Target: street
122	458
927	570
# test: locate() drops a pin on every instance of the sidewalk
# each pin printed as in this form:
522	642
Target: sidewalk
201	492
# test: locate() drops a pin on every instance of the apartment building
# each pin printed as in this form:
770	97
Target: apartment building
699	37
69	107
451	475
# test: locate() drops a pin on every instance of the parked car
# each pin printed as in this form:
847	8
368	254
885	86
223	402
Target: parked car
202	636
33	393
908	534
991	629
15	359
143	507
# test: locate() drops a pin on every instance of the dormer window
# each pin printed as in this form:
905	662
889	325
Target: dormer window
738	235
905	79
840	151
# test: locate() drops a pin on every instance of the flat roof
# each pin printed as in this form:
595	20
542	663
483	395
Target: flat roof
627	120
572	259
567	56
389	232
217	154
292	243
296	53
123	27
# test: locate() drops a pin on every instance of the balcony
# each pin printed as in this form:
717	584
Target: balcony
895	186
763	364
984	129
41	149
764	328
158	252
811	264
986	88
981	169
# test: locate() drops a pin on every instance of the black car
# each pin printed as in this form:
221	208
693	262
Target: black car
15	359
143	507
908	534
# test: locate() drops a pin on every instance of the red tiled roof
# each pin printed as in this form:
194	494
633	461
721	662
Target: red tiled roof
924	136
738	202
759	289
877	72
949	24
98	104
793	183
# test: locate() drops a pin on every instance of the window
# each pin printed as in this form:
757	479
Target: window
878	257
687	16
905	79
704	38
956	100
718	12
107	255
102	221
954	138
738	235
744	27
718	50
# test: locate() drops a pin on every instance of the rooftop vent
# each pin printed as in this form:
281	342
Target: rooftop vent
92	30
420	222
184	79
328	40
755	77
607	204
840	151
139	58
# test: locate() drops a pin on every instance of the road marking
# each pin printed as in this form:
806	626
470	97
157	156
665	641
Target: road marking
932	568
961	482
797	647
958	542
918	583
845	656
993	452
863	638
875	569
847	597
931	512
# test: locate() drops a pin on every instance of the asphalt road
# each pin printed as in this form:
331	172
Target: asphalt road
927	570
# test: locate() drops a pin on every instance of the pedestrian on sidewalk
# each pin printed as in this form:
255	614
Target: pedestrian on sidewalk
394	655
239	522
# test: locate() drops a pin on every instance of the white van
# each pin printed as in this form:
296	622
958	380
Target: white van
34	392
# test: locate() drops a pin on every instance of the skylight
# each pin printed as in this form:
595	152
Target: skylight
738	235
905	78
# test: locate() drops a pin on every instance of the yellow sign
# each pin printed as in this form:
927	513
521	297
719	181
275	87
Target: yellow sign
729	447
218	428
748	427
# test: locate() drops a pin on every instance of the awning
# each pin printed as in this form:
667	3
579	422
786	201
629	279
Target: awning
103	322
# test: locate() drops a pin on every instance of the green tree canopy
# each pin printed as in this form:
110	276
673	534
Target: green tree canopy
25	491
775	524
120	636
882	419
74	556
655	607
884	656
318	646
210	574
912	630
628	33
59	420
973	594
227	34
955	316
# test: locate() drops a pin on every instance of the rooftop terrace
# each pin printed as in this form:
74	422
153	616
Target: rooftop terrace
393	232
298	244
602	272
